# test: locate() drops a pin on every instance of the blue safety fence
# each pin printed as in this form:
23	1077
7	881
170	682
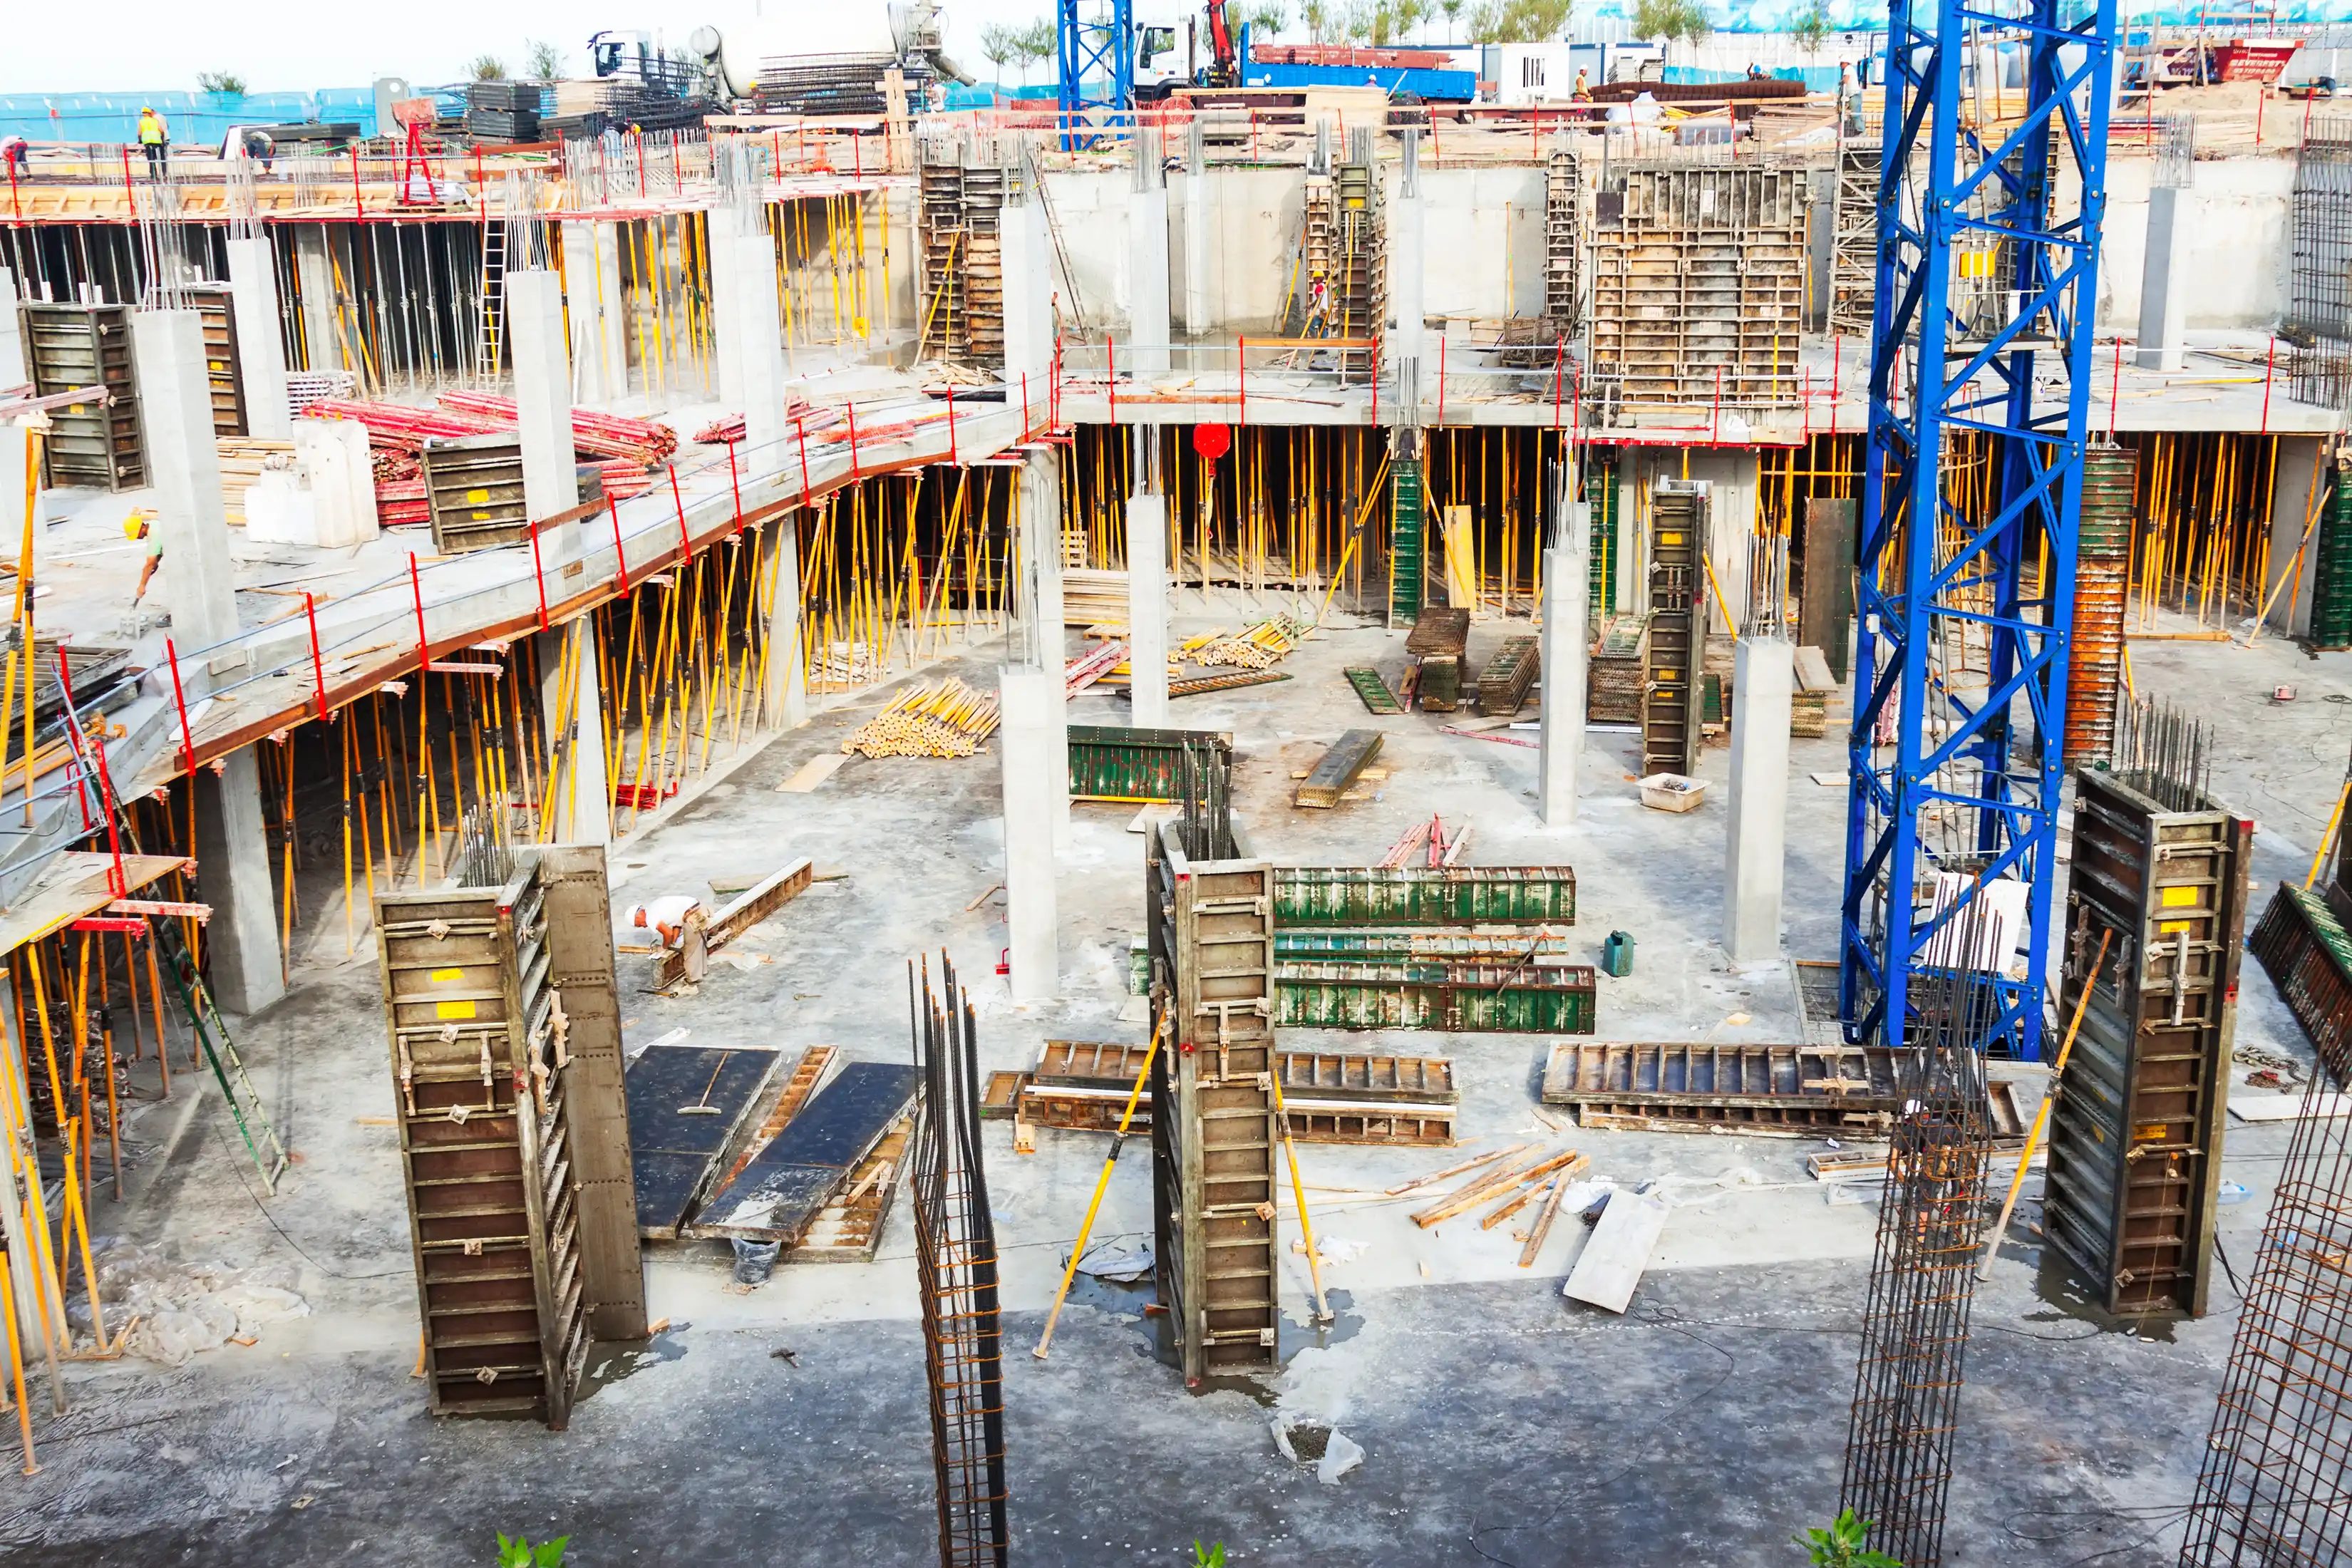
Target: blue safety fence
196	118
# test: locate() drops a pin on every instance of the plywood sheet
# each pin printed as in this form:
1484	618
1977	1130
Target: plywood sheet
1611	1265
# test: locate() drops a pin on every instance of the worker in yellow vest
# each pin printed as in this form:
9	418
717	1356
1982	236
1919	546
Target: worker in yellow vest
155	137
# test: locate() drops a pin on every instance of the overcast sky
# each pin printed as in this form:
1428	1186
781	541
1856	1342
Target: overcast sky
146	46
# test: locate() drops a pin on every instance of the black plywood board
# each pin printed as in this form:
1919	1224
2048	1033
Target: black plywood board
672	1151
786	1184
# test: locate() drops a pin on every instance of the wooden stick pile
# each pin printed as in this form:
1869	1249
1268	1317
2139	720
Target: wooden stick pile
1509	1179
949	719
1256	648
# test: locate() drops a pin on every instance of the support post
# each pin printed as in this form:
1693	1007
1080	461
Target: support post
784	699
1027	264
727	301
1041	546
542	372
612	309
581	304
1196	232
1762	682
759	347
260	347
232	849
1567	576
1146	605
580	810
1147	266
2163	281
1030	698
1407	292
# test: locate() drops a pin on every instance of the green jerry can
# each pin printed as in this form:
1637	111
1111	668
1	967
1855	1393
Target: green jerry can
1617	955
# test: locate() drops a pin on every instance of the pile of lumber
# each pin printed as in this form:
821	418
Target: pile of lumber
242	459
1092	597
949	720
645	442
1256	648
401	504
1507	1181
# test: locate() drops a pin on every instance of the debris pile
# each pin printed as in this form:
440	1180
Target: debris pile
163	1309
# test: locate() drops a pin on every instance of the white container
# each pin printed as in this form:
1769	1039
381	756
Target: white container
1672	791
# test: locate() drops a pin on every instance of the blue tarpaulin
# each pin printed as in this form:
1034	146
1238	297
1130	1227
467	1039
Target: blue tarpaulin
196	118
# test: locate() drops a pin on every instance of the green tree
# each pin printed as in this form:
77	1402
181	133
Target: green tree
1269	19
1522	21
1034	43
488	68
1811	30
1671	21
1453	9
220	81
520	1552
542	62
1410	15
1845	1544
998	42
1318	16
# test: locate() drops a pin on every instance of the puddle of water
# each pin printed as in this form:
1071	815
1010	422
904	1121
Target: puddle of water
2055	1283
1294	1336
610	1363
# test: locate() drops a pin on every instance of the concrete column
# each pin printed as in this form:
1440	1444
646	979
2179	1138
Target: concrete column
759	348
260	346
2297	496
1408	303
233	876
1197	323
580	315
1029	701
1041	548
1027	261
1763	678
1147	609
784	691
2163	281
542	372
1567	576
314	283
15	369
580	811
1632	576
612	309
1147	265
726	302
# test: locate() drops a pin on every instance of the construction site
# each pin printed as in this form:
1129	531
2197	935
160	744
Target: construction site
1365	816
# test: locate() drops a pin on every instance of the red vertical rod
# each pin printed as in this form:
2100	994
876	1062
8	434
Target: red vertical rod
1024	406
2116	387
424	648
2270	363
1110	363
180	699
800	428
1441	374
952	440
1559	363
620	553
735	486
539	576
359	207
1241	350
1715	412
852	408
318	663
1376	378
684	539
115	882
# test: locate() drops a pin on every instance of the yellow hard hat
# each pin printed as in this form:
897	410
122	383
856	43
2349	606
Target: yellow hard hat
136	523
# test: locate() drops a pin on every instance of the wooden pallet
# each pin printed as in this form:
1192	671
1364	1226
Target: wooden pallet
1766	1089
1332	1097
1375	692
1199	685
850	1228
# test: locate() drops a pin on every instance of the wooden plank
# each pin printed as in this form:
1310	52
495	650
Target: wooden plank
850	1228
812	774
1504	684
754	905
675	1145
1338	772
1611	1266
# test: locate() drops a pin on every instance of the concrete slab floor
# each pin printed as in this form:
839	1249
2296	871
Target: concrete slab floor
1502	1425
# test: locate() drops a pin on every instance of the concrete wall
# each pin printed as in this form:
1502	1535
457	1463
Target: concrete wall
2237	248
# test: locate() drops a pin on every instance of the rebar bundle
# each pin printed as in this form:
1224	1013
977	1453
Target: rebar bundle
1899	1444
1205	812
2163	753
2273	1488
955	1253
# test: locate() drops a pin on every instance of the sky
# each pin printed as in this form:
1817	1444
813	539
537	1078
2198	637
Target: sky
161	45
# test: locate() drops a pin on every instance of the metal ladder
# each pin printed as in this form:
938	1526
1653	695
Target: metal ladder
227	1067
493	297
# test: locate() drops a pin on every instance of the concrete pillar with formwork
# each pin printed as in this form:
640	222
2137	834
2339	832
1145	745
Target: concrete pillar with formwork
784	686
759	346
727	301
1408	303
581	315
314	289
1147	261
542	372
1026	253
1146	600
580	796
232	848
1763	684
1197	316
260	347
14	370
1030	707
1566	585
1040	502
2164	280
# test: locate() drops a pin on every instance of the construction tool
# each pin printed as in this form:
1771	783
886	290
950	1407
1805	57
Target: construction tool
1102	1185
703	1107
2042	1117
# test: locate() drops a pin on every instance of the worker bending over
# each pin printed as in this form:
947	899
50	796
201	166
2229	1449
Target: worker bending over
678	920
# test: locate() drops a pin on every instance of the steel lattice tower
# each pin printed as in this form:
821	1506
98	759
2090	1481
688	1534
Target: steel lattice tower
1102	45
1988	271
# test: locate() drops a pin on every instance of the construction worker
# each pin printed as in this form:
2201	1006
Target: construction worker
678	919
1583	93
16	154
155	137
141	526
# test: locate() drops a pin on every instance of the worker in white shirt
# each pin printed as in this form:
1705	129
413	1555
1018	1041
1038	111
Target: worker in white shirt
678	921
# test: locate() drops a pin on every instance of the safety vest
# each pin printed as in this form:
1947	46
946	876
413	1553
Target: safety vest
151	130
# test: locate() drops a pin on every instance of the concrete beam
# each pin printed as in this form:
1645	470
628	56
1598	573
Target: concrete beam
175	407
1147	610
260	347
1029	701
542	372
1567	578
1762	683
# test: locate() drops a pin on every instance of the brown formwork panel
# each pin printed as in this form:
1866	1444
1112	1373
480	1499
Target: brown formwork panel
223	375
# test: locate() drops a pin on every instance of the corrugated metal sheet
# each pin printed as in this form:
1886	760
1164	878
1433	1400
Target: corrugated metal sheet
1334	895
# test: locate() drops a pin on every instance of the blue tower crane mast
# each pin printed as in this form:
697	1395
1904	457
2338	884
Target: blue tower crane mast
1096	56
1980	352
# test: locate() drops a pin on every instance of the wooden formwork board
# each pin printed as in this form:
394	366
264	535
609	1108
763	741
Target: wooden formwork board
848	1230
1798	1091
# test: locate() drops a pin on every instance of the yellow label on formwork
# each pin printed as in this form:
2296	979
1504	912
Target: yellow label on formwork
477	498
1670	539
2174	897
481	516
442	976
221	365
2171	928
453	1009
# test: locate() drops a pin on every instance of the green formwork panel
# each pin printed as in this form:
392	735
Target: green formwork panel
1109	762
1357	946
1404	540
1601	493
1339	895
2331	573
1444	998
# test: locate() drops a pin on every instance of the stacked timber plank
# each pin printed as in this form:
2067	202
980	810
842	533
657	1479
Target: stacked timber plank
1504	684
1437	641
1808	704
1619	666
1093	597
1339	770
242	460
1503	1184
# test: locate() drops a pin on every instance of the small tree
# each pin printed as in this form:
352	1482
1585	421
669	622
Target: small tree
1671	21
488	68
1317	15
1845	1544
542	62
220	81
1034	43
1811	30
998	42
1453	9
1269	19
1520	21
1410	15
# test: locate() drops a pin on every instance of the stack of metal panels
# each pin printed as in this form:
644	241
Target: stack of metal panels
830	84
74	346
1672	689
474	492
1619	666
2331	574
1115	763
2101	572
502	110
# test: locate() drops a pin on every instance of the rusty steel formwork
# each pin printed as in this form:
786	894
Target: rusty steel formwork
2305	941
1854	243
1914	1333
1698	284
955	1256
2102	575
2272	1490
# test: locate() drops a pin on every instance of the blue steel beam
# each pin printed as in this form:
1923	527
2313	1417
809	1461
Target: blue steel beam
1988	268
1096	58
